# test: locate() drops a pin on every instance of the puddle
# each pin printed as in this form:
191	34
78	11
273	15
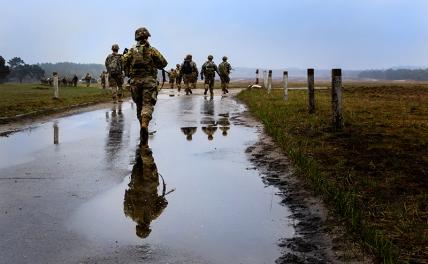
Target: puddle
194	192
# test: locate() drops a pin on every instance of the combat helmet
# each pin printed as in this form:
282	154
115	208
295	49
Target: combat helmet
142	33
114	47
188	57
224	58
210	57
178	65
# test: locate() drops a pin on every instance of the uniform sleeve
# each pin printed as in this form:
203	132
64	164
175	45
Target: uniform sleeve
107	62
204	66
158	60
126	62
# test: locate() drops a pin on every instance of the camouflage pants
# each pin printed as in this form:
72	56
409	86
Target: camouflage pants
190	80
115	82
209	80
144	93
225	79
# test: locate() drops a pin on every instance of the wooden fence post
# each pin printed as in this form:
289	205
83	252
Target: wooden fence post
336	98
265	81
285	84
311	91
270	81
55	85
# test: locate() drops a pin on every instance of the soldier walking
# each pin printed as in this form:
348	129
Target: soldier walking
88	79
141	65
103	77
209	68
75	80
172	75
190	73
114	68
224	69
179	77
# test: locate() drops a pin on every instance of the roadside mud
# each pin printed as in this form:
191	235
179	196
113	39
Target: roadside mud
320	238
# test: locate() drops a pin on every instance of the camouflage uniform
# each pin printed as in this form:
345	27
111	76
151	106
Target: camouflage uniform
142	202
172	75
114	68
224	69
103	79
75	80
179	77
190	73
88	79
141	64
209	68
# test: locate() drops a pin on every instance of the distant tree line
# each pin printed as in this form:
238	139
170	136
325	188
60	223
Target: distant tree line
396	74
18	70
69	69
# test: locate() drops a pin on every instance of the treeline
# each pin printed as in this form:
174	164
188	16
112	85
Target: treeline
69	69
18	70
396	74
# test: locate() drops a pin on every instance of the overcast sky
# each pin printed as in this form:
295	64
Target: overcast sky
279	34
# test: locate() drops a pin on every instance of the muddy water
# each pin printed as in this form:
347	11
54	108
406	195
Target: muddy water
206	201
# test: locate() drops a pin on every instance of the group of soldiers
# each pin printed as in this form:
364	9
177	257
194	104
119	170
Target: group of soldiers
188	72
141	64
61	81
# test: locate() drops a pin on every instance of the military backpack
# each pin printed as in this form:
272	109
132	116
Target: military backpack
115	64
187	67
210	68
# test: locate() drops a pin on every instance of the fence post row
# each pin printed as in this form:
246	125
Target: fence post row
285	84
336	98
311	91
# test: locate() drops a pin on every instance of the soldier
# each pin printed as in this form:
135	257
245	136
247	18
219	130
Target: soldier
225	69
103	77
190	73
209	68
189	131
75	80
114	68
172	75
179	77
141	64
88	79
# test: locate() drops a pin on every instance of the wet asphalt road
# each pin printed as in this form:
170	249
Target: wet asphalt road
69	194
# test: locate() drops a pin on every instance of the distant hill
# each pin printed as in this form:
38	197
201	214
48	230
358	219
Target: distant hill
396	74
69	69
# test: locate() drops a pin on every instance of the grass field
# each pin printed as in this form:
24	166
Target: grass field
374	172
21	99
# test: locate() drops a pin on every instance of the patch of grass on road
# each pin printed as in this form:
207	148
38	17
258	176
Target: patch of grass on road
374	172
17	99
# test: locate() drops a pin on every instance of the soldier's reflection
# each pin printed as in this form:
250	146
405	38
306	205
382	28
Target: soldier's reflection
209	131
115	132
142	201
189	131
224	124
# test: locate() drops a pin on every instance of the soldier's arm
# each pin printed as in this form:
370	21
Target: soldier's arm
126	62
216	69
158	60
107	62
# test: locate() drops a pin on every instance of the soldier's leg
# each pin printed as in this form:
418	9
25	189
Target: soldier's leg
137	97
113	87
150	93
211	86
119	81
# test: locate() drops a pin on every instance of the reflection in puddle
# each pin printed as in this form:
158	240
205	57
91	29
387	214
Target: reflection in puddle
115	132
142	202
56	133
209	131
189	131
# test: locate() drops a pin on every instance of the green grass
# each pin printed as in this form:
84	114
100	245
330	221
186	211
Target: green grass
374	171
21	99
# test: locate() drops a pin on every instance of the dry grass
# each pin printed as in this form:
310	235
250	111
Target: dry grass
378	163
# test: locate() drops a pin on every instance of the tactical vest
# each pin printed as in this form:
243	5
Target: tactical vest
223	68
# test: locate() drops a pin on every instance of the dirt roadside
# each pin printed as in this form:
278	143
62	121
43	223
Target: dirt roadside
320	236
